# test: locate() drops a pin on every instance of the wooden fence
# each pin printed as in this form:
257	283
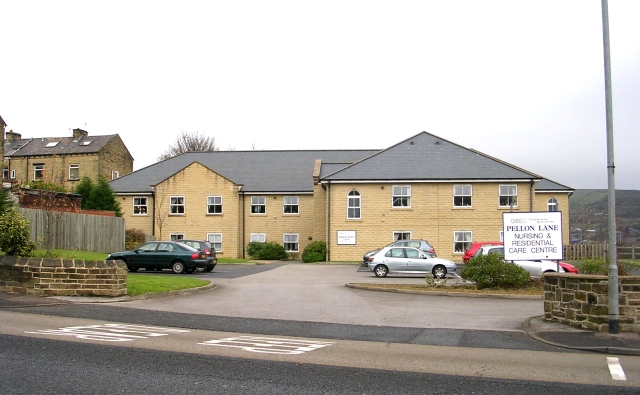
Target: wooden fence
598	251
79	232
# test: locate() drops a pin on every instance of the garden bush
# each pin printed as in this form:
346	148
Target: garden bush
15	234
133	238
491	271
315	252
266	251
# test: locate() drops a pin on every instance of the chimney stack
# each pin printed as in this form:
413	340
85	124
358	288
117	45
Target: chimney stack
79	133
12	136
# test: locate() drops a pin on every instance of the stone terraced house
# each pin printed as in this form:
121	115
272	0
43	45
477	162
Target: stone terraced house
63	159
424	187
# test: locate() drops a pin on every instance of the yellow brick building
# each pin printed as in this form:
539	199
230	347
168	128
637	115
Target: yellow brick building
424	187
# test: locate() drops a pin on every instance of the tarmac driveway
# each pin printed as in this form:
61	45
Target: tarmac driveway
317	293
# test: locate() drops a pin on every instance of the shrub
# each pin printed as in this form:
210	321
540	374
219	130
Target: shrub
491	271
15	234
266	251
133	238
315	252
599	266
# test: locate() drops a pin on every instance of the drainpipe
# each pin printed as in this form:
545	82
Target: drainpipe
328	221
531	195
242	225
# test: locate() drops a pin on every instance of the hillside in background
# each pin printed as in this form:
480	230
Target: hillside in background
588	215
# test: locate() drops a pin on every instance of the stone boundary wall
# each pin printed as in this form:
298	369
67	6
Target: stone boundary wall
62	277
582	301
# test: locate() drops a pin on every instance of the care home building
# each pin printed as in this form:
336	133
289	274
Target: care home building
424	187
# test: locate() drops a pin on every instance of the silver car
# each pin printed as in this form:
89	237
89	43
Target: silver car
408	260
535	268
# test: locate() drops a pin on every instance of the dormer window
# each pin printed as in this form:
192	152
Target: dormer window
52	144
85	142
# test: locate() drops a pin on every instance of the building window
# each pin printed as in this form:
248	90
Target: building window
38	172
74	172
291	205
353	205
139	206
176	236
461	241
462	195
259	237
401	196
5	173
258	205
13	174
115	174
552	205
216	241
176	205
508	195
214	204
401	236
291	242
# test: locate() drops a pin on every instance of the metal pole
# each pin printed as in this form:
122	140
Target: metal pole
613	267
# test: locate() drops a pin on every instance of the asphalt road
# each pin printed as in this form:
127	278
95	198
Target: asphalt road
192	346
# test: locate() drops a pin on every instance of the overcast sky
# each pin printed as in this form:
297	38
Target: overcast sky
522	81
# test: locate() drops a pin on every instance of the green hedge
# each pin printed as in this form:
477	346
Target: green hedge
491	271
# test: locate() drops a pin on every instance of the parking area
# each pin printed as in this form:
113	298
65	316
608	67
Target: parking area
317	293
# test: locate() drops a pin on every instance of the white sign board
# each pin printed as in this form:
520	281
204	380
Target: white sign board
347	237
532	236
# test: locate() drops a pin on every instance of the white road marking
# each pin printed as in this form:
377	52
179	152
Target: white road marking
268	345
615	369
110	332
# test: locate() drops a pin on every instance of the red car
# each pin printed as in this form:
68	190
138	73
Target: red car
473	248
471	251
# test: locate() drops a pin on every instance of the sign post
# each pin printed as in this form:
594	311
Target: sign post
532	236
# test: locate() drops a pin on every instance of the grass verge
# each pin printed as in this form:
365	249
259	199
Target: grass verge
138	284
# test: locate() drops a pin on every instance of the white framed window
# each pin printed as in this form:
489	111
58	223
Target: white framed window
508	195
353	205
38	171
115	174
176	236
291	205
258	204
461	240
552	205
216	241
259	237
462	195
401	196
290	242
214	204
5	173
140	206
13	174
176	205
74	171
401	235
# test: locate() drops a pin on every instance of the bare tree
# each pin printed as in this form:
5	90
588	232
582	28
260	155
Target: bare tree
160	212
190	142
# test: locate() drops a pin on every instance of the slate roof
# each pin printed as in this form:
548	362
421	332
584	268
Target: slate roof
257	171
552	186
425	157
65	146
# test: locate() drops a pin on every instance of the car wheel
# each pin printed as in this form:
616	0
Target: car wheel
132	269
381	271
177	267
439	271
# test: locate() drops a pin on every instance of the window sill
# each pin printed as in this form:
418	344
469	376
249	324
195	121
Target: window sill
214	214
508	207
463	207
140	215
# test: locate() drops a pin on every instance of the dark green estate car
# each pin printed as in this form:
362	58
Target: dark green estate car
158	255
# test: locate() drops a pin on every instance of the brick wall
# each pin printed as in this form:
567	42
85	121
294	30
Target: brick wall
58	277
582	301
